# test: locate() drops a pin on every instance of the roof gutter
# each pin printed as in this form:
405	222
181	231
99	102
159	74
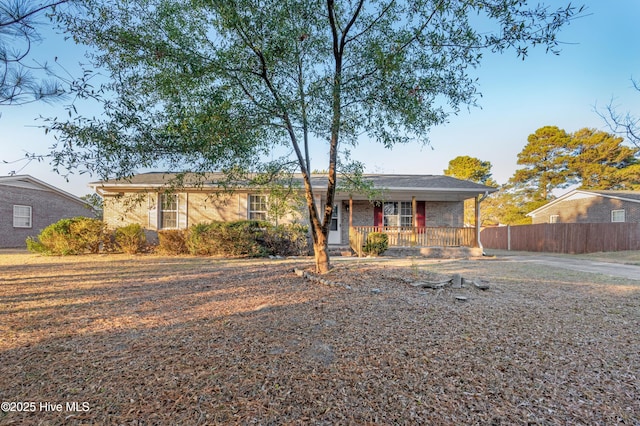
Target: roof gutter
486	194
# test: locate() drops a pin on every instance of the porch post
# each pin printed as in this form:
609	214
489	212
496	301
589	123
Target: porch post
477	200
414	214
350	212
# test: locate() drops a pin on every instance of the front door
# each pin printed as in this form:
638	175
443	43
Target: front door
335	227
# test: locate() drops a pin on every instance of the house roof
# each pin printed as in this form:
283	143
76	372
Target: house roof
29	182
429	187
630	196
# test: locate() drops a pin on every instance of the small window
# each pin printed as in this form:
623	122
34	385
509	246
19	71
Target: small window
617	216
257	207
22	216
169	211
334	218
554	218
406	214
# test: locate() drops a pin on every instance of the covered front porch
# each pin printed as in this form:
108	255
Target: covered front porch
414	237
417	234
416	212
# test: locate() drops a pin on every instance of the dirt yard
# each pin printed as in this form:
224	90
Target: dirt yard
146	340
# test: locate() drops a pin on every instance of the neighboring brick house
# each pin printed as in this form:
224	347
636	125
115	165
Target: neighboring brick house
406	201
590	206
28	205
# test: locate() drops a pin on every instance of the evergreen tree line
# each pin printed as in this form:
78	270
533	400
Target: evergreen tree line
553	160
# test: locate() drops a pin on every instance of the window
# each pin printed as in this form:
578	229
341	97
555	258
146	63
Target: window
169	211
334	218
22	216
257	207
397	213
617	215
554	218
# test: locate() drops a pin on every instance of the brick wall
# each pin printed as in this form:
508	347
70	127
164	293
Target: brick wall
589	210
125	210
444	213
362	216
47	207
194	208
438	214
202	207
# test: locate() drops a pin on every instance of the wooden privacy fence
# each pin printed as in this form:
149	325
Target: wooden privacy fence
563	237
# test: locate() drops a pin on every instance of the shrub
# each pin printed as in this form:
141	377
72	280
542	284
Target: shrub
246	238
240	238
172	241
200	240
287	240
35	246
54	239
131	238
70	236
88	234
377	243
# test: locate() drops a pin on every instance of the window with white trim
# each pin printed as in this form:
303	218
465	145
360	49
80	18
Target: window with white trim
257	207
554	218
397	213
334	218
617	215
21	216
169	211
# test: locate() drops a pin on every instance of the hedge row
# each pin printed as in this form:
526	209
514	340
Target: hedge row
242	238
81	235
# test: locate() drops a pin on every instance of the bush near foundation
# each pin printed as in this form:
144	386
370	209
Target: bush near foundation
172	241
76	235
240	238
287	240
131	238
248	238
377	243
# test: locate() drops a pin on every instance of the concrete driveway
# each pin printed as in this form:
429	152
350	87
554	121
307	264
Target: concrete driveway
584	265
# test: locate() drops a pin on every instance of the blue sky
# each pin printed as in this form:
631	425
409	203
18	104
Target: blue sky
597	63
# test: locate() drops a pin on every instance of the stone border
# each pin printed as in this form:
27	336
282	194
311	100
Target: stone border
318	279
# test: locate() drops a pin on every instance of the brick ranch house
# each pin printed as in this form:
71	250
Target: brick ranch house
28	205
590	206
414	210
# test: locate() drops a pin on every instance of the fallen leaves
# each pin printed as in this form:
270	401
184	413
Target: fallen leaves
153	340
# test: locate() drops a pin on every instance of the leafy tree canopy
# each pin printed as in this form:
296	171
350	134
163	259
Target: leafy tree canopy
506	207
201	85
592	159
545	158
471	168
555	159
600	160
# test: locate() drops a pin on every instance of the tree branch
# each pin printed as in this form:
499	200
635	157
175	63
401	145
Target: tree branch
21	17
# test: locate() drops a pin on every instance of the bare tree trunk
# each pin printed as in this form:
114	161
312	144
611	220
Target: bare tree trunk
321	254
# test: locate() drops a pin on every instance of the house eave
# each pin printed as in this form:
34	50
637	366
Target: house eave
569	194
436	193
45	186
